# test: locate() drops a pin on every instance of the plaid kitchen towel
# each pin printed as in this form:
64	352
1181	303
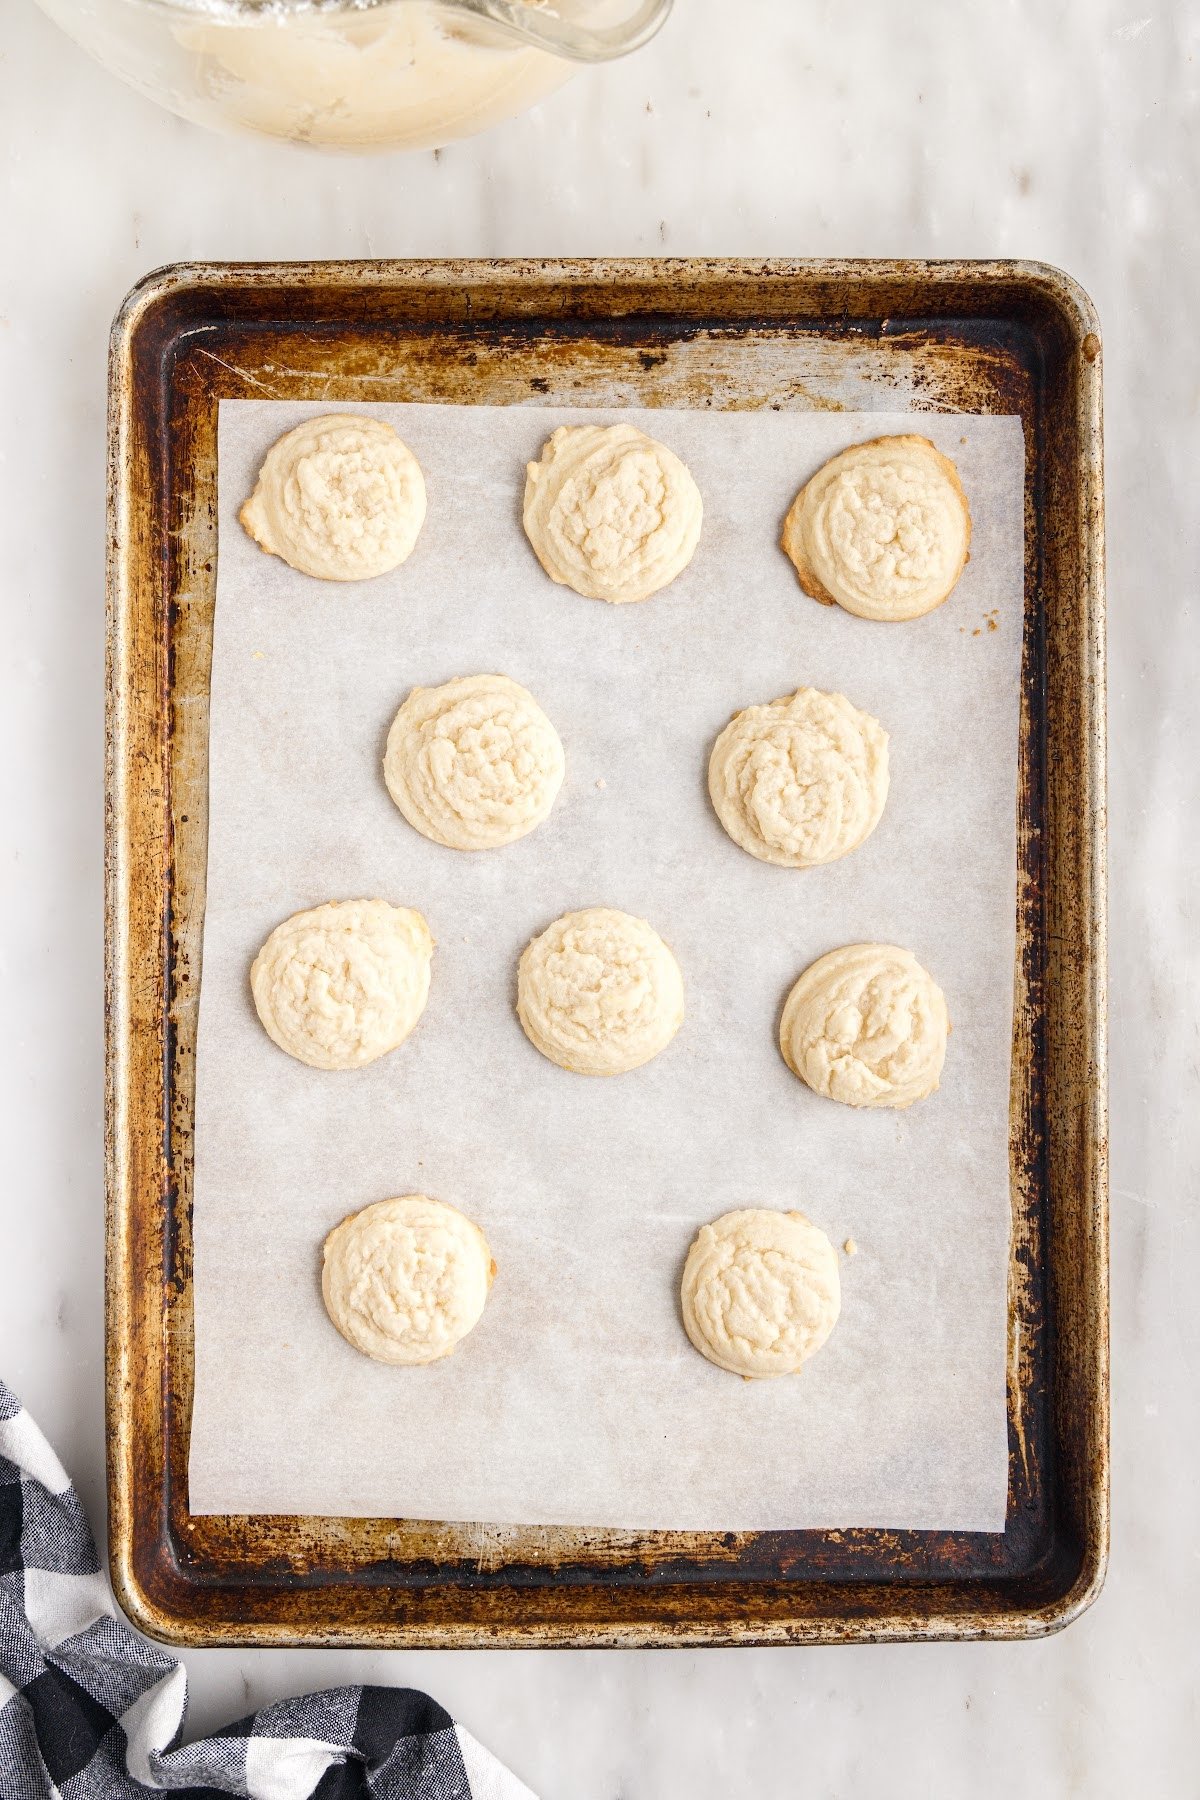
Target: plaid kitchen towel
91	1711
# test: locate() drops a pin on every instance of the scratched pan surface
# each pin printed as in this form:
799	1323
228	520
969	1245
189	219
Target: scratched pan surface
975	337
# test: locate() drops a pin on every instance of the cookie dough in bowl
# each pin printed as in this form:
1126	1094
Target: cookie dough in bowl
866	1025
599	993
343	983
761	1291
801	780
405	1280
883	530
473	764
610	512
339	497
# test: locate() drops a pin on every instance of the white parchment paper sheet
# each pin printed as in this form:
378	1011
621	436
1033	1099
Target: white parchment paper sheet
577	1399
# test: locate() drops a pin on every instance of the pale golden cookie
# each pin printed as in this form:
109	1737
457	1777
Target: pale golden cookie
343	983
339	497
610	512
760	1292
883	529
405	1280
474	763
599	992
800	781
866	1025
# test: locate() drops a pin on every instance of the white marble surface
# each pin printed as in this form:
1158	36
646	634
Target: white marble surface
1064	131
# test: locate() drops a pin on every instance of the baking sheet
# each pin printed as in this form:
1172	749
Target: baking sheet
577	1399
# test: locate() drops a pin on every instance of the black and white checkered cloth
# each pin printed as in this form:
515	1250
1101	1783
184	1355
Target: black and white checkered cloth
91	1711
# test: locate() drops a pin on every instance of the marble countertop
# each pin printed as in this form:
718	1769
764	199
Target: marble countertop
1065	132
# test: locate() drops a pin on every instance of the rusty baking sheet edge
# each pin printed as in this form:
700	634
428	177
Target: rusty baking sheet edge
133	993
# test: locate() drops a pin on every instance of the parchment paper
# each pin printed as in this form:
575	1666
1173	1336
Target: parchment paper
577	1399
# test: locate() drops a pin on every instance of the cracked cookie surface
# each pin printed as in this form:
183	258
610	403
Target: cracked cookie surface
866	1025
761	1291
801	780
343	983
883	529
598	992
610	512
339	497
473	764
405	1280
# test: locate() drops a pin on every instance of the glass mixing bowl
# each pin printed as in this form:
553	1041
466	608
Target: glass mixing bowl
353	74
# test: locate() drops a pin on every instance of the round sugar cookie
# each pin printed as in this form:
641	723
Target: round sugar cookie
339	497
343	983
801	780
610	512
598	992
473	764
405	1280
866	1025
883	529
760	1292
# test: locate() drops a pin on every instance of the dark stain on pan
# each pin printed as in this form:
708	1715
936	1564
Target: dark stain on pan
953	337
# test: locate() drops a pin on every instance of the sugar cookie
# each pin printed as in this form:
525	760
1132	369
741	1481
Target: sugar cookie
760	1292
800	781
610	512
405	1280
866	1025
883	529
599	992
339	497
341	984
474	763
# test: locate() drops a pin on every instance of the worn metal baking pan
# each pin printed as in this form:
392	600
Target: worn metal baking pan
975	337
